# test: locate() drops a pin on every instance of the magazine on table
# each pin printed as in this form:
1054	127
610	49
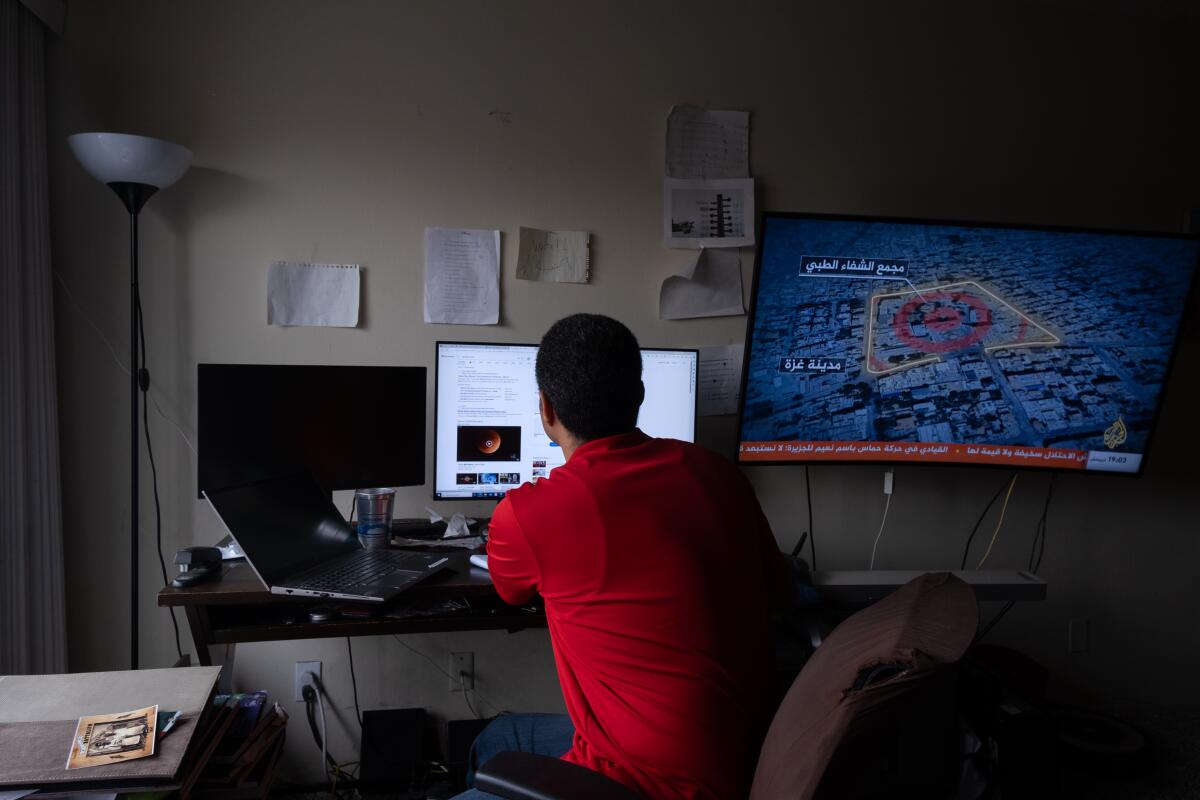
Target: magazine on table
112	738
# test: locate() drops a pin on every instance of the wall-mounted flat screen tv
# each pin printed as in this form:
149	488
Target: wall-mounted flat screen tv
888	340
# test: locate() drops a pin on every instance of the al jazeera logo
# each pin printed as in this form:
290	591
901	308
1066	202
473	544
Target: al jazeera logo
1116	434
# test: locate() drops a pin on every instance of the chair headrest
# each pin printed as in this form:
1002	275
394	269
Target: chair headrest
927	623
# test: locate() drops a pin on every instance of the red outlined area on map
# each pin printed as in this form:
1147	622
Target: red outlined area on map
937	320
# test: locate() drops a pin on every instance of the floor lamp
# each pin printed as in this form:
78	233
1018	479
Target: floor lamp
135	167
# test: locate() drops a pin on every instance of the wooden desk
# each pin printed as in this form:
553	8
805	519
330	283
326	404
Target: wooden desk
236	608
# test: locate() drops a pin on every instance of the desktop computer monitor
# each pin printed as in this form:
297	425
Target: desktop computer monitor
488	435
351	427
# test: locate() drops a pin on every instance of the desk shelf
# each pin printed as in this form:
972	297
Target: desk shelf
237	609
240	624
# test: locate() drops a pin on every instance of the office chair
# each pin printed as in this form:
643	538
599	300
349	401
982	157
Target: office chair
871	714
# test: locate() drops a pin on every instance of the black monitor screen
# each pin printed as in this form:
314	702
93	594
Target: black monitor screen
891	340
351	427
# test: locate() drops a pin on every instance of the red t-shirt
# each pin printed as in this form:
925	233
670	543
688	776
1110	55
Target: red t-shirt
656	565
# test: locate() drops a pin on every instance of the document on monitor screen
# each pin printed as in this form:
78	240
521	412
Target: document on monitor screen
489	434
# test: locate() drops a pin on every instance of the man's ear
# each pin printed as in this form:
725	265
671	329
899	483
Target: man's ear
641	393
549	418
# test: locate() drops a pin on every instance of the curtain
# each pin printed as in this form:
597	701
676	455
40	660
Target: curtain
33	637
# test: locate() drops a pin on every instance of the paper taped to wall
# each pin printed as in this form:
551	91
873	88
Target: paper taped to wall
719	379
708	144
557	256
313	294
708	213
462	276
712	287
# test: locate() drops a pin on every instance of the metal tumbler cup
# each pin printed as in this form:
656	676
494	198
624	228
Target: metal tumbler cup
374	509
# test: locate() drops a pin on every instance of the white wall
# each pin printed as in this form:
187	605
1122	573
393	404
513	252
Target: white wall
338	131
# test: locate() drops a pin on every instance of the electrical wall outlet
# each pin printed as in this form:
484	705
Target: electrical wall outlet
461	663
302	679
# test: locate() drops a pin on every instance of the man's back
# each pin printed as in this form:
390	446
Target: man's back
656	565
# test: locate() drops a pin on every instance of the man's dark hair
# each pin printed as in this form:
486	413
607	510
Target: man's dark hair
590	369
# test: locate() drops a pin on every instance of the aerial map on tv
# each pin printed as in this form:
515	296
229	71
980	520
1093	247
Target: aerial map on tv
878	340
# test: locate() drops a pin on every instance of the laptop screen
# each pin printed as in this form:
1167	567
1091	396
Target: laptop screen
285	525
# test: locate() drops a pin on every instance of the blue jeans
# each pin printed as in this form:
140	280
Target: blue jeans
542	734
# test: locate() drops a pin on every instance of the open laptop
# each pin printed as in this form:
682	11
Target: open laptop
297	543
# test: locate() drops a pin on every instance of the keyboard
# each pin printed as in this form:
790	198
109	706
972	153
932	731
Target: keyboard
360	569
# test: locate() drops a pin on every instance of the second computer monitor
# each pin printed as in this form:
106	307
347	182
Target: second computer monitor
488	436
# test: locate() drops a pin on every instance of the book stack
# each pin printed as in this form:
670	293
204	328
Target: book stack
239	743
77	732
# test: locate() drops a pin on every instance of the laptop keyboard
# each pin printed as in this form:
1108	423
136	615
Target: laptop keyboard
362	569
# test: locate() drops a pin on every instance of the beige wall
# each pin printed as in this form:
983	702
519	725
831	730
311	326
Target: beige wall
338	131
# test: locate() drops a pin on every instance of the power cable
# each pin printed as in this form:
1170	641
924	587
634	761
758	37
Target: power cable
883	522
364	740
313	695
144	385
436	666
999	522
1039	538
978	522
117	359
462	681
1036	551
987	628
812	537
310	696
354	683
325	757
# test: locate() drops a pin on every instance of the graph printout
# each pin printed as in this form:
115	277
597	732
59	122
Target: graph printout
708	213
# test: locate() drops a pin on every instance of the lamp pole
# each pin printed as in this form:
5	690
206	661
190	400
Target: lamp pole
134	196
134	369
135	167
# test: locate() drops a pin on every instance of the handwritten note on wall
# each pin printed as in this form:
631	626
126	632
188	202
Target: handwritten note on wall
558	256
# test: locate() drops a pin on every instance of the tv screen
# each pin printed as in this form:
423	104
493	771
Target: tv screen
899	340
489	436
351	427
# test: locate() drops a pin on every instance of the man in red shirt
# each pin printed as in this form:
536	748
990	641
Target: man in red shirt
658	570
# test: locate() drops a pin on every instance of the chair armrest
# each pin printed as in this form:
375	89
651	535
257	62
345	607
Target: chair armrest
525	776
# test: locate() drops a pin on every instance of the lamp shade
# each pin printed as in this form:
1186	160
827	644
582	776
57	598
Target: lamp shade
126	158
